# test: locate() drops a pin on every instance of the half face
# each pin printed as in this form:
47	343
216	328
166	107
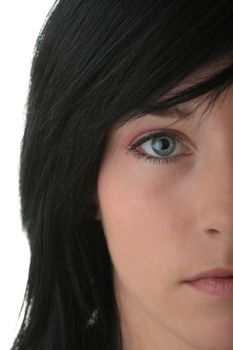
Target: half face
165	196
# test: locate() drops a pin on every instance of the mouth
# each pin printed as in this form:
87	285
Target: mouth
213	273
216	283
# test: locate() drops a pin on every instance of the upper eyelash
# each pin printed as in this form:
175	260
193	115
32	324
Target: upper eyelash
139	142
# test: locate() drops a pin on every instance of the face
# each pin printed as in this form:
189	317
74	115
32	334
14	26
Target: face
165	222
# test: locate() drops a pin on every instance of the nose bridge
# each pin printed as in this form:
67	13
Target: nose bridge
221	165
215	179
216	197
221	183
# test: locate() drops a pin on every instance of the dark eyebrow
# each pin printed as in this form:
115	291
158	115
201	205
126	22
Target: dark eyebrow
176	112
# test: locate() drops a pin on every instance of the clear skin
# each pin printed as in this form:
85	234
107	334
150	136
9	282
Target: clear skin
165	222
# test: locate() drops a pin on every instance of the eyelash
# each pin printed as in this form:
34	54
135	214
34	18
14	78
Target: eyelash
134	148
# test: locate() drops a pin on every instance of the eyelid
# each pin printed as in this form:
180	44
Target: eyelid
175	133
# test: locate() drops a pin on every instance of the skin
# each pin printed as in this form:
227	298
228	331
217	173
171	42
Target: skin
166	222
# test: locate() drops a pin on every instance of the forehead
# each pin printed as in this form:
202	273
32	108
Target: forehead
203	103
200	106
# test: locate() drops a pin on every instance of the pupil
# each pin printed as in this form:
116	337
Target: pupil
163	145
165	142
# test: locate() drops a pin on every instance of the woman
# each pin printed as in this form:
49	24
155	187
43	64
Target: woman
123	198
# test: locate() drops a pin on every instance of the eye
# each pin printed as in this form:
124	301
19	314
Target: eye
159	147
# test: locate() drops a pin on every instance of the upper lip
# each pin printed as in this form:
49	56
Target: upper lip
217	272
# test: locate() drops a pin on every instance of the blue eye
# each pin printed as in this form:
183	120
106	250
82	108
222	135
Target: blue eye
161	144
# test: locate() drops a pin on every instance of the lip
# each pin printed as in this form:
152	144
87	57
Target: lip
217	283
214	273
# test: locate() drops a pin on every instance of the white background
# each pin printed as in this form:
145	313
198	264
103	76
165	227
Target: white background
20	23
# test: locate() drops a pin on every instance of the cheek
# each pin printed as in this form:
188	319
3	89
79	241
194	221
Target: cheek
142	226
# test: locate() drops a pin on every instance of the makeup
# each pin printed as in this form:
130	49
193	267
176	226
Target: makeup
217	283
217	288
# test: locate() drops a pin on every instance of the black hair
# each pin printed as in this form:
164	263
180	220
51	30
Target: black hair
97	64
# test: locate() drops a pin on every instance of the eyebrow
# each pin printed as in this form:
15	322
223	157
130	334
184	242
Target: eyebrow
176	112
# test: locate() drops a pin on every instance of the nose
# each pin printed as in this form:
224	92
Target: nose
216	197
